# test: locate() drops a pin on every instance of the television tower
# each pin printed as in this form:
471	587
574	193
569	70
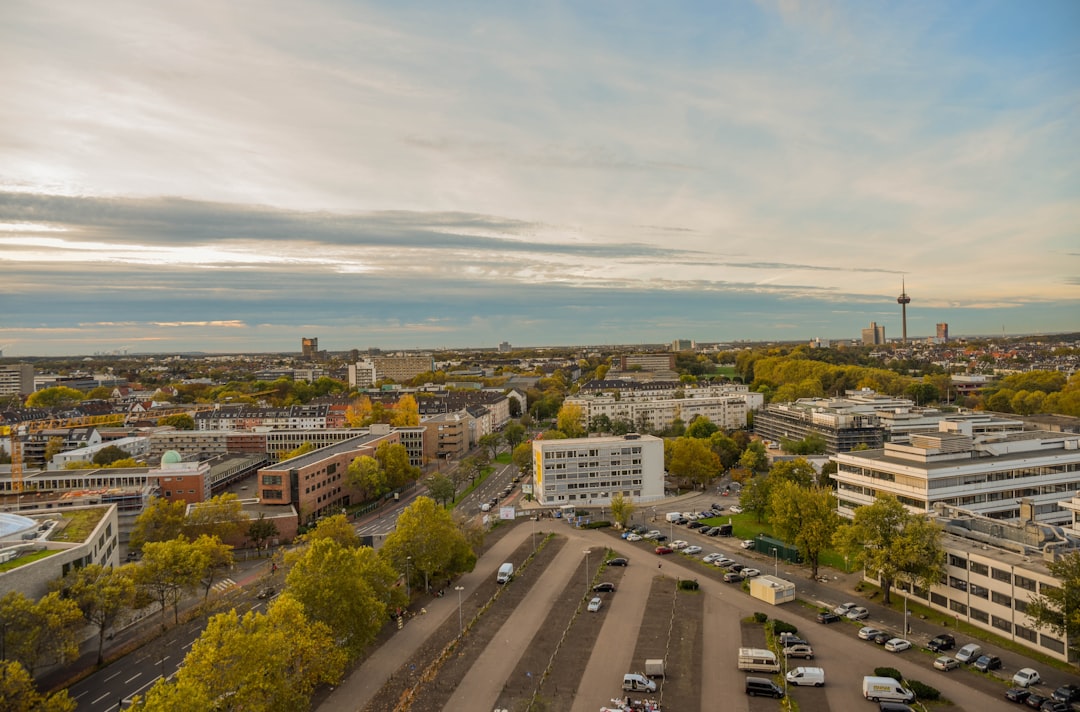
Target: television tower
903	300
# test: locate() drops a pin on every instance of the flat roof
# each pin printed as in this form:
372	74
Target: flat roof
322	453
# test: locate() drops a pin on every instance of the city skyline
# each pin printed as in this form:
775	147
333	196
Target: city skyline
230	178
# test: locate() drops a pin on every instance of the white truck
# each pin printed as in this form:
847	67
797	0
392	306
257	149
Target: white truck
654	667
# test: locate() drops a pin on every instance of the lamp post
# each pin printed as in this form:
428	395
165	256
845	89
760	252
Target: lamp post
460	625
587	552
408	590
776	563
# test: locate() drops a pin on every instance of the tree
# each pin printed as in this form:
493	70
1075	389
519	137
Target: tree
110	454
303	449
622	508
261	530
804	516
55	397
39	632
336	528
99	393
754	495
441	488
427	537
329	582
217	556
514	434
490	443
1058	607
600	424
701	427
393	458
18	693
102	594
799	471
180	421
221	516
365	473
754	457
270	662
169	568
405	413
726	449
162	520
54	447
571	420
886	539
522	457
692	460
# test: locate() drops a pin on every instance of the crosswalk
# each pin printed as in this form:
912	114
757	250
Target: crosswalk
223	585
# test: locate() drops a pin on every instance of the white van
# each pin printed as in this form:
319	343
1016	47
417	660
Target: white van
636	682
806	676
506	572
969	653
758	660
885	688
673	516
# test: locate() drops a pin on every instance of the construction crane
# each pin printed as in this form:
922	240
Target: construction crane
20	430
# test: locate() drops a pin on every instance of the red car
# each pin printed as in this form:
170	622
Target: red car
664	550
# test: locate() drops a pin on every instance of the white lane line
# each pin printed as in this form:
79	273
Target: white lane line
113	675
129	680
107	694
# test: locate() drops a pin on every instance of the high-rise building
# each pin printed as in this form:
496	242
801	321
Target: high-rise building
903	300
943	331
16	379
874	335
309	349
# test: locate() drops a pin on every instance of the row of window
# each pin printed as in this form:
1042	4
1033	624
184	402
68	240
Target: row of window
1002	624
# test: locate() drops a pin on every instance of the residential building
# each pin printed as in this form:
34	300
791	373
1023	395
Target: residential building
362	374
943	332
452	431
16	379
843	425
136	447
987	475
657	414
874	335
402	368
589	471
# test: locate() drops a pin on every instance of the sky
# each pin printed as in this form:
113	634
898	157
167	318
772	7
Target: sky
234	176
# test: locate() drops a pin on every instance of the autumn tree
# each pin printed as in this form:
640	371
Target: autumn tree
426	536
110	454
18	693
55	397
893	543
365	473
1058	607
701	427
271	662
754	457
692	460
42	632
161	520
754	496
336	528
622	508
261	530
805	517
346	588
102	595
799	471
54	447
571	420
441	488
180	421
405	413
522	457
168	569
393	458
221	516
216	557
514	434
490	442
304	448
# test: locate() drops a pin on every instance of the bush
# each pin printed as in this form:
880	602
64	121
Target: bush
597	525
888	672
780	626
688	585
761	617
922	691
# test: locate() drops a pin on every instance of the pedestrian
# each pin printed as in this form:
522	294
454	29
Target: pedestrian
660	565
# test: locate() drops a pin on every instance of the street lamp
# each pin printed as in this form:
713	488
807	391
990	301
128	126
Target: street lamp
776	563
587	552
460	625
408	590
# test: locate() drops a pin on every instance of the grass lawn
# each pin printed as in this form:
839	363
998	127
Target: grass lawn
503	458
78	524
27	559
746	526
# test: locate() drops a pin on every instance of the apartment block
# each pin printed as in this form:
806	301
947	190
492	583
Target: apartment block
16	379
589	471
874	335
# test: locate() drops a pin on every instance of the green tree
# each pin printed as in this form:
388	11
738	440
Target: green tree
887	539
99	393
55	397
571	420
1058	607
692	459
522	457
18	693
514	434
168	569
180	421
754	495
393	458
54	447
365	473
426	536
600	424
490	442
41	632
328	581
102	595
221	516
805	517
270	662
110	454
701	427
441	488
754	457
622	508
261	530
726	449
799	471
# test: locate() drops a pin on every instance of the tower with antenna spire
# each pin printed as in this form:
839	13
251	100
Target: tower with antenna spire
903	300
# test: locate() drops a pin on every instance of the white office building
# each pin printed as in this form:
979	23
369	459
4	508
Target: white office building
589	471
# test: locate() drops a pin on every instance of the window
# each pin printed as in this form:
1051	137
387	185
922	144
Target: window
1001	624
1025	583
1001	575
1026	633
1052	644
980	616
957	561
958	607
980	569
1020	605
1001	599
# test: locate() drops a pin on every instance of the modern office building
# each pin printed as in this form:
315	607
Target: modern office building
987	475
841	424
366	373
309	349
874	335
362	374
943	332
589	471
654	362
16	379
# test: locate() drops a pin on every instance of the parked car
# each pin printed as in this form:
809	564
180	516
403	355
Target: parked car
267	592
1035	700
858	613
828	617
747	543
712	531
651	534
709	558
938	643
844	608
736	509
986	663
749	573
664	550
485	507
678	544
634	537
1017	694
618	561
1052	705
662	537
969	653
868	633
697	525
946	663
799	650
692	549
723	561
1026	677
605	587
1067	693
732	577
594	605
788	638
883	637
897	645
736	567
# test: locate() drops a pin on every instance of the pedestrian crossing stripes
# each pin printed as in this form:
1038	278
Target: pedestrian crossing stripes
223	585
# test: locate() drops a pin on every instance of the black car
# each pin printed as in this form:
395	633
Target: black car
1067	693
604	588
1017	694
1052	705
662	537
883	637
1035	700
619	561
713	531
696	525
828	617
945	641
682	520
736	568
986	663
732	577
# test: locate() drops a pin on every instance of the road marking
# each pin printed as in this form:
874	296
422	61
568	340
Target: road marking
81	694
160	662
188	645
107	694
145	686
113	675
129	680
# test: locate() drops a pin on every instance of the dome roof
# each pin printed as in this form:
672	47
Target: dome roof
171	457
12	525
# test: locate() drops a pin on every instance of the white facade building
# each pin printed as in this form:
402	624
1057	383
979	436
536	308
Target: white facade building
589	471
